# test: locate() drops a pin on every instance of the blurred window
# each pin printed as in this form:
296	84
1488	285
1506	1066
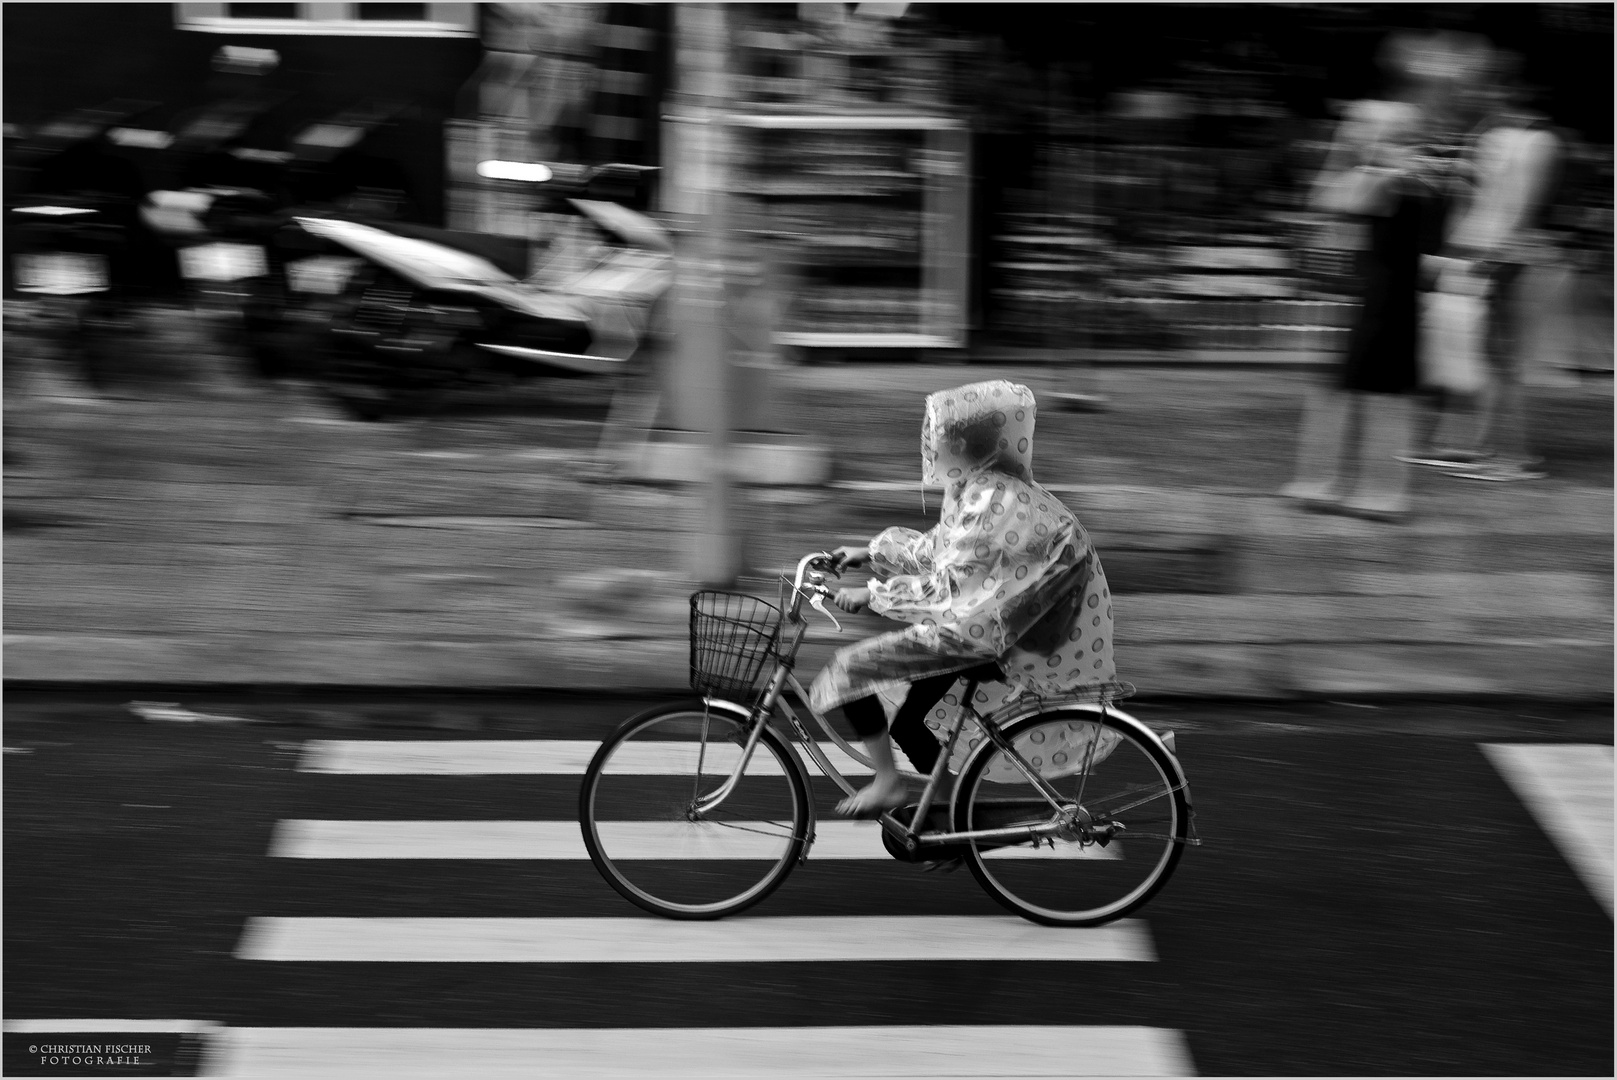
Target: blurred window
363	19
261	11
417	12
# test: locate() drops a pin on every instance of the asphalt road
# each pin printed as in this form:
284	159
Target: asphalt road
1372	898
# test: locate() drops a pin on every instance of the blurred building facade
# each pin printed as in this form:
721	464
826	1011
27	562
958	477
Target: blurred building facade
1124	174
393	72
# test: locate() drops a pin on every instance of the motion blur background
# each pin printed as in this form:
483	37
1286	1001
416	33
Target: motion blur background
1108	145
1102	200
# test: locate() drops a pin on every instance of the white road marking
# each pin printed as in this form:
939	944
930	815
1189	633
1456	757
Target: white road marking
1568	789
635	940
314	839
793	1053
111	1026
538	757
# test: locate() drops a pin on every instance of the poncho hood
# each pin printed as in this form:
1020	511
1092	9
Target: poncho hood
985	425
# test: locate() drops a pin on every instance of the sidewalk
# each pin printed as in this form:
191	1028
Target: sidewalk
198	528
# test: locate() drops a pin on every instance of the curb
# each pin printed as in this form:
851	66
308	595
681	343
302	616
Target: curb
1549	670
462	712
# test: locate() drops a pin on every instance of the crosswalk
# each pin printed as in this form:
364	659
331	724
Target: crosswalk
428	973
302	838
847	1053
760	938
1568	789
517	757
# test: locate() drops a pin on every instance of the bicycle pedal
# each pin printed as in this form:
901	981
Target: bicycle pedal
942	866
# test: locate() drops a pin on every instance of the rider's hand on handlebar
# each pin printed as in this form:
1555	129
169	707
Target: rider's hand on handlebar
851	557
854	600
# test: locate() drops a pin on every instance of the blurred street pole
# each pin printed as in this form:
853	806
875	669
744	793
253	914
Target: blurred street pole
702	369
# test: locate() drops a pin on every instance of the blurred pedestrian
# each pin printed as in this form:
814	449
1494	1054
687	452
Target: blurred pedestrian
1385	178
1515	160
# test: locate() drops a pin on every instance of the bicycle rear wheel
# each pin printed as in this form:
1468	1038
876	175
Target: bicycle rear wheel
638	808
1122	803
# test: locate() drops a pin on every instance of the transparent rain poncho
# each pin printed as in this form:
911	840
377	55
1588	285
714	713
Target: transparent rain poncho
1007	574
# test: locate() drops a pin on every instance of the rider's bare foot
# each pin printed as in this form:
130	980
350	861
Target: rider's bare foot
879	795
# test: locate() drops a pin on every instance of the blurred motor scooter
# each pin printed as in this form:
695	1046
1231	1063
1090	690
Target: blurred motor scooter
420	311
79	252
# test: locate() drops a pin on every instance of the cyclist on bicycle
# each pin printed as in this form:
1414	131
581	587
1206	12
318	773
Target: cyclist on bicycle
1007	576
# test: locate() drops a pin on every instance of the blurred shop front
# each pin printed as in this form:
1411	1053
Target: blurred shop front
1141	169
375	81
1102	176
926	176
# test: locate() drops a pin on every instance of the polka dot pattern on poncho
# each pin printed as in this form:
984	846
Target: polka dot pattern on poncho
1008	572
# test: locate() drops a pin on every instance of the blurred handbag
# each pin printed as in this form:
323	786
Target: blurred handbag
1453	333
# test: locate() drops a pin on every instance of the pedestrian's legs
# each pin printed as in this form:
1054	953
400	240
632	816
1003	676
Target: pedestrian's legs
1382	490
1443	428
1510	416
1505	430
1502	419
1594	317
1326	430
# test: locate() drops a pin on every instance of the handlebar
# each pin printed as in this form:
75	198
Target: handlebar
812	568
810	581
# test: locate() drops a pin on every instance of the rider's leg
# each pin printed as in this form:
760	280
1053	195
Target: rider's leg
909	725
887	790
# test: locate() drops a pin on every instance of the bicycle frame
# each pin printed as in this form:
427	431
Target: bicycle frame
911	835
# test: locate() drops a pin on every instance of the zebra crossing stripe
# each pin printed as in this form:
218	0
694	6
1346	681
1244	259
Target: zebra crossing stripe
1009	1052
547	757
1568	790
113	1026
316	839
797	939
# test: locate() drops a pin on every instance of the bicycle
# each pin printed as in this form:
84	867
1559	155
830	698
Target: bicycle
699	809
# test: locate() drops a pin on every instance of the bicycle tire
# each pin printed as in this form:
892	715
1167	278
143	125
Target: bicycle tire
635	805
1133	793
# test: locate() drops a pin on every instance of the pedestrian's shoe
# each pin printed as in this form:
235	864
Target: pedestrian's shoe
1374	509
1310	496
1504	471
1447	459
1077	402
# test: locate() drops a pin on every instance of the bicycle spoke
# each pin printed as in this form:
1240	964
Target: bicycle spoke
1134	834
1089	762
701	760
1154	796
1032	775
640	807
787	834
1121	789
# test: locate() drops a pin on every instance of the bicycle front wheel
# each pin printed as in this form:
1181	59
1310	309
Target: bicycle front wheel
648	830
1120	809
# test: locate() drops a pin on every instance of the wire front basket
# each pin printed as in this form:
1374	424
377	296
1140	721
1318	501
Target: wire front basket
732	636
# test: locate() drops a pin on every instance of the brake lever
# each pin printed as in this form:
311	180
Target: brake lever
817	602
